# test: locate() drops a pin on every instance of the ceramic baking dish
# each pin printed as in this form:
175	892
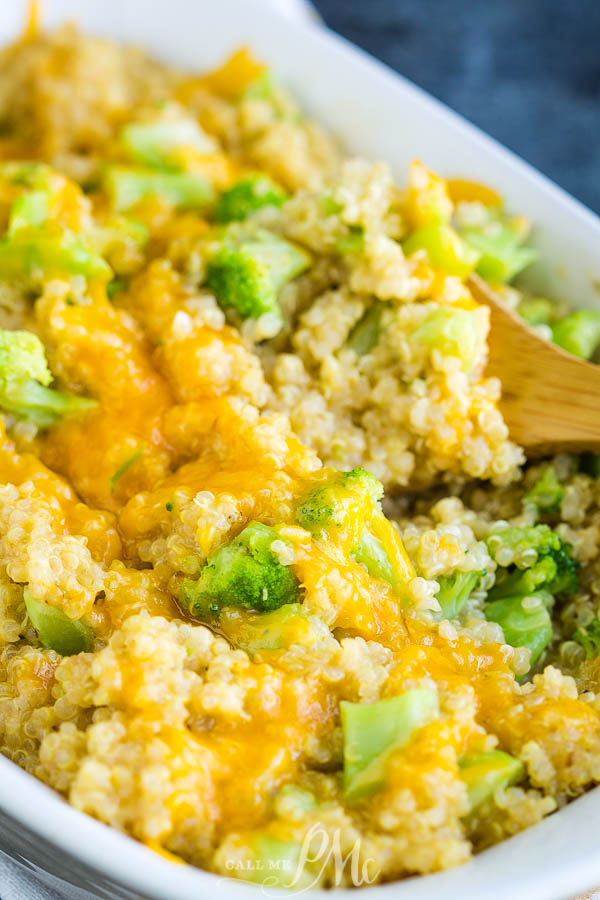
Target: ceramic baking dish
378	114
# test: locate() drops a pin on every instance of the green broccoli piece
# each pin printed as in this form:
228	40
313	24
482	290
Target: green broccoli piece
547	491
525	621
501	254
249	269
267	630
445	248
485	773
27	255
372	731
537	310
351	242
155	144
24	376
552	569
245	572
128	186
535	565
589	638
347	503
253	192
578	333
455	590
452	331
330	505
29	210
365	334
56	631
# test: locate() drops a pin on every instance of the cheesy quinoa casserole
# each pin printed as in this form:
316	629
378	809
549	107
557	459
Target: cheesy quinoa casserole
220	342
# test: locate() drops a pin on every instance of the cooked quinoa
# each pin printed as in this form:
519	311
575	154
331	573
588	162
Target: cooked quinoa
211	636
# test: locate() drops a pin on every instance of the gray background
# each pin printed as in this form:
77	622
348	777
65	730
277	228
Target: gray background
526	71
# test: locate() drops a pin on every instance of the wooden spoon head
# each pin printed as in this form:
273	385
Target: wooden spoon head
550	399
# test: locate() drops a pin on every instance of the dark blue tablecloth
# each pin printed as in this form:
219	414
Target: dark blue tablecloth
526	71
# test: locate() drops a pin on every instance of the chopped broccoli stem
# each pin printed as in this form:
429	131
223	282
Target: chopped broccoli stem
537	310
24	376
273	630
502	257
365	334
485	773
589	638
525	621
372	731
578	333
276	863
455	590
126	187
29	210
246	573
352	242
370	553
56	630
251	193
249	269
155	144
452	331
547	492
27	255
445	249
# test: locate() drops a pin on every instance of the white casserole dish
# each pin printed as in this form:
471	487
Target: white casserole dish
378	114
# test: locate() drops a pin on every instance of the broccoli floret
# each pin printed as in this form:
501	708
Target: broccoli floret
244	572
24	376
345	508
538	564
578	333
329	505
253	192
552	569
249	269
589	638
547	492
455	590
365	334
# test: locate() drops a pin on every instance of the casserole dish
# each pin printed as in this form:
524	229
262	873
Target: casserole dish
358	100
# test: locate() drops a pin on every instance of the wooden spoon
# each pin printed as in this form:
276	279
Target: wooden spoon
550	399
